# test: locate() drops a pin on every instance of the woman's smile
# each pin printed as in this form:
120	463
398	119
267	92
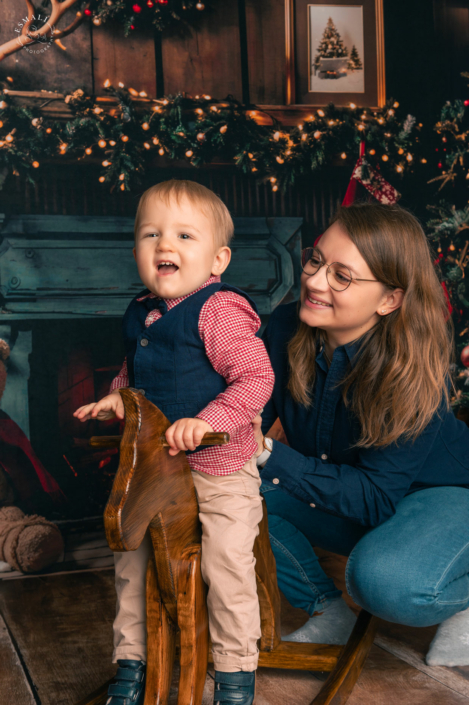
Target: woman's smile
312	301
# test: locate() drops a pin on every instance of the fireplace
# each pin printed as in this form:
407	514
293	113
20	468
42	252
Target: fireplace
65	282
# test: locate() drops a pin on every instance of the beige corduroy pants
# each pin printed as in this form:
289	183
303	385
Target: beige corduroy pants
230	509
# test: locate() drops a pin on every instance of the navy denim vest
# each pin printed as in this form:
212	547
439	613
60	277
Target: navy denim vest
167	360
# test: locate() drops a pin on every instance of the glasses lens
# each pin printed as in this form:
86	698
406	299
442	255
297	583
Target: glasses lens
338	276
310	260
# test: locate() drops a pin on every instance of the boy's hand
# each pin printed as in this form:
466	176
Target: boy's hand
107	408
186	434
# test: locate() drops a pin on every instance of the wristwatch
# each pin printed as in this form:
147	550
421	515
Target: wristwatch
265	455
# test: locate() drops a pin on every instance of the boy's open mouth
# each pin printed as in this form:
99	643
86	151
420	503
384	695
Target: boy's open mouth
167	268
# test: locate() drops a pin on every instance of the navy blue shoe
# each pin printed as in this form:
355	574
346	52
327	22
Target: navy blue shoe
234	688
128	687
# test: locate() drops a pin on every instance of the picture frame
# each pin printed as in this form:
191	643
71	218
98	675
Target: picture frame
334	51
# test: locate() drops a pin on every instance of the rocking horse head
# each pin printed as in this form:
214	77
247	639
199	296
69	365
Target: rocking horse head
149	482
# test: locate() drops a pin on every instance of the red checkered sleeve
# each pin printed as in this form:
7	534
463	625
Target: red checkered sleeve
228	327
122	379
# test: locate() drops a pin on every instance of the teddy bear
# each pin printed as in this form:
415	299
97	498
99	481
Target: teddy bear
27	543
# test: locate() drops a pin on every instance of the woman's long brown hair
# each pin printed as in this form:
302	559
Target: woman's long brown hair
402	366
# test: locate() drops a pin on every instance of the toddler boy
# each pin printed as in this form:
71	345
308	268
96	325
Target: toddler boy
191	347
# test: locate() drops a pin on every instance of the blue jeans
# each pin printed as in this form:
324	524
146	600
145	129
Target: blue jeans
413	569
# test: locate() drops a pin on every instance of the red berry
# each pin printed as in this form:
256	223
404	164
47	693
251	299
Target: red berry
88	12
440	165
132	27
136	8
466	102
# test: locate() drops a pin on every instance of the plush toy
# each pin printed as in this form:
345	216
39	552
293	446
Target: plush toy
27	543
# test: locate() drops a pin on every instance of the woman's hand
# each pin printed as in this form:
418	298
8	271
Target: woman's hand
258	435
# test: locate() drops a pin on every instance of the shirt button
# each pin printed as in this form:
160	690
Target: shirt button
142	392
312	505
323	456
275	480
144	342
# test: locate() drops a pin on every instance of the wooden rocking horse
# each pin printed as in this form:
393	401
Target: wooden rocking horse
153	492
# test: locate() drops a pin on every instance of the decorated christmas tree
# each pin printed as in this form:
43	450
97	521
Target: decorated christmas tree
331	45
355	63
448	230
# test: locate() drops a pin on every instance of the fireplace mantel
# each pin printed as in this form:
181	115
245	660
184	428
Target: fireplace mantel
65	267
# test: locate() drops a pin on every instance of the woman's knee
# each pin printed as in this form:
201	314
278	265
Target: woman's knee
404	571
389	590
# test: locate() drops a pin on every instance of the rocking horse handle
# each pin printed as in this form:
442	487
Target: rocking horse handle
210	439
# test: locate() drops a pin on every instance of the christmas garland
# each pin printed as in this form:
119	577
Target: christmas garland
201	130
135	14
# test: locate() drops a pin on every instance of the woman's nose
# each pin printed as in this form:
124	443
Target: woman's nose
318	280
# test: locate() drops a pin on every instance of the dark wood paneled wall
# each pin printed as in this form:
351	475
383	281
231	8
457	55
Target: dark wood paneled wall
71	190
240	49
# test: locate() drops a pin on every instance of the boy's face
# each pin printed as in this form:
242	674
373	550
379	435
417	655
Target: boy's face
175	248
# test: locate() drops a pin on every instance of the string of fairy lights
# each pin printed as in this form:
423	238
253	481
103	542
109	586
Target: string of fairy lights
128	134
136	129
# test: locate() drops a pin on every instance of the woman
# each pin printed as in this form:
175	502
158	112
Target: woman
378	465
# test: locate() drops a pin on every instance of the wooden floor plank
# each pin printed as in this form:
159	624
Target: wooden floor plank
63	628
447	676
410	644
79	554
15	689
387	680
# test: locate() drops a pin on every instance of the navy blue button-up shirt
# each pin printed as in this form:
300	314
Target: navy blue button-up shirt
322	467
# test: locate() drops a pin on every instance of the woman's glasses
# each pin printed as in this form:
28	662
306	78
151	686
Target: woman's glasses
339	277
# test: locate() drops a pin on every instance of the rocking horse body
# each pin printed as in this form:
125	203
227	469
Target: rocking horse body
154	491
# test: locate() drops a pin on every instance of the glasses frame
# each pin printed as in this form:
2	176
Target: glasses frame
324	264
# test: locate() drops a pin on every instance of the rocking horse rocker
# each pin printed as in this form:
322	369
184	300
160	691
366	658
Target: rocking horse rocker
154	492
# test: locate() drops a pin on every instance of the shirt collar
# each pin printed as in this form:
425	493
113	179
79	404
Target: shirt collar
349	350
173	302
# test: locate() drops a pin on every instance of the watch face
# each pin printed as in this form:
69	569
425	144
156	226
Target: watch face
269	443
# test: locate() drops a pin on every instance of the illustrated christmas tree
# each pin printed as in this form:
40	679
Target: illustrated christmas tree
448	231
331	45
355	63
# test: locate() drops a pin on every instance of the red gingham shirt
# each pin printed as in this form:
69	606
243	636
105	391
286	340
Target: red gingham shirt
227	327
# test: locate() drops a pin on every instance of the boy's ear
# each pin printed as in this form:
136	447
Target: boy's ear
135	253
221	261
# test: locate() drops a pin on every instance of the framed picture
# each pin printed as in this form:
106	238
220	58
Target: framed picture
334	52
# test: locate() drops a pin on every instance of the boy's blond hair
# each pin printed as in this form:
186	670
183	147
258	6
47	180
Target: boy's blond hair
198	195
